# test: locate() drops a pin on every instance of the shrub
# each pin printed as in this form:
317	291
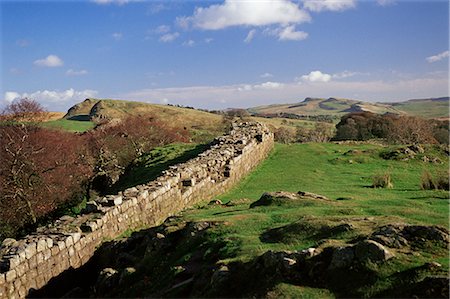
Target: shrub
382	180
284	135
439	182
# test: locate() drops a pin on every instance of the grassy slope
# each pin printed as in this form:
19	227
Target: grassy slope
426	108
323	107
323	169
430	108
69	125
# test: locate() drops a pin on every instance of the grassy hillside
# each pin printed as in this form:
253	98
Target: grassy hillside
318	106
69	125
430	108
205	250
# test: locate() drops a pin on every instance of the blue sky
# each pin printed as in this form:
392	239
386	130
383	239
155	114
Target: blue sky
218	54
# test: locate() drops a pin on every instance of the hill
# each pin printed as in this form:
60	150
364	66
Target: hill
335	108
430	108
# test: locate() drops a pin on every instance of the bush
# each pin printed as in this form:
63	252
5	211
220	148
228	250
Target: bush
284	135
382	180
440	182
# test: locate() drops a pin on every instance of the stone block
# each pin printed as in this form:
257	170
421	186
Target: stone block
30	250
47	254
41	245
10	275
49	242
61	245
32	273
71	251
76	237
21	269
55	250
2	278
69	241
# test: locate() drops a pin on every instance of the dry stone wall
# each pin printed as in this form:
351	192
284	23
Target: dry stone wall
70	242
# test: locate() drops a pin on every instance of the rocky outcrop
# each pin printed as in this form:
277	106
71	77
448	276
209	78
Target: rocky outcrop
29	263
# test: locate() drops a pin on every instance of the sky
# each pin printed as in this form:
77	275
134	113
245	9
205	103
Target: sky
221	54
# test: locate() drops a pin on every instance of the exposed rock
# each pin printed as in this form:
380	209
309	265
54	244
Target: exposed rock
107	279
311	195
369	250
125	274
274	198
220	276
91	207
342	257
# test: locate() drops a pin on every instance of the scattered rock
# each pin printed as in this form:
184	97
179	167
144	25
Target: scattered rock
220	276
311	195
274	198
342	257
215	202
106	280
369	250
91	207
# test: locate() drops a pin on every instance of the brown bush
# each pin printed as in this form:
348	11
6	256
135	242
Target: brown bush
24	110
284	135
439	182
382	180
40	170
115	146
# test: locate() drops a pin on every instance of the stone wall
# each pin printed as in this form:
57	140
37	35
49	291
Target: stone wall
69	242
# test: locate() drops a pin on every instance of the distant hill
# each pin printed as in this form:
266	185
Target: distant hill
335	107
430	108
94	109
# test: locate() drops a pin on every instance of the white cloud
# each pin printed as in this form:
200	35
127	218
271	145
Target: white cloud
250	36
169	37
344	74
71	72
15	71
332	5
161	29
11	96
316	76
117	36
208	40
437	57
266	75
189	43
52	99
289	33
49	61
386	2
245	13
269	85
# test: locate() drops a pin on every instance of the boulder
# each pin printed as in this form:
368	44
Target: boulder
342	257
369	250
274	198
107	279
311	195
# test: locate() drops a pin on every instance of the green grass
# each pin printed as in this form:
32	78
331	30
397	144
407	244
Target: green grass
324	169
150	165
69	125
425	108
243	233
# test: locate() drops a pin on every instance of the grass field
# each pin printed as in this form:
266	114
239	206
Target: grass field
69	125
241	234
325	169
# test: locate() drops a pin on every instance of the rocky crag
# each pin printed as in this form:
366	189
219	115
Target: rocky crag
29	264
